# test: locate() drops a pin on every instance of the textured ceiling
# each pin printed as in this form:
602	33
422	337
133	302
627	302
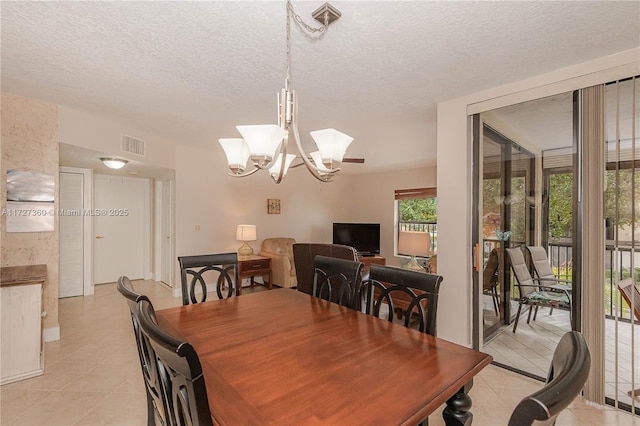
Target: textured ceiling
193	70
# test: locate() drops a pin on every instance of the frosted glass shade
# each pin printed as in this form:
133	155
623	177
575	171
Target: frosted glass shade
237	152
246	233
332	145
317	160
274	170
263	141
414	243
113	163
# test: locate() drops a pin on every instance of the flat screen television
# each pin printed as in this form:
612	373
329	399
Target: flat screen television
364	237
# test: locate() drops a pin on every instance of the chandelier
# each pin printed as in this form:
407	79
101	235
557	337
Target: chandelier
265	146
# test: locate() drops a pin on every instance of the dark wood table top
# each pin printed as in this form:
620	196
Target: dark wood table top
283	357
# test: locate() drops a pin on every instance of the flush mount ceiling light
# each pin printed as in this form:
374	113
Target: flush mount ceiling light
113	163
266	145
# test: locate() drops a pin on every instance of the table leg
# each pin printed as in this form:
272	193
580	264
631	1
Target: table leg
458	406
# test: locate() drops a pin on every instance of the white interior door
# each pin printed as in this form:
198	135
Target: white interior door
121	225
71	235
165	246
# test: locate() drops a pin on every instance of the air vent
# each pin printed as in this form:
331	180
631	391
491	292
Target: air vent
132	145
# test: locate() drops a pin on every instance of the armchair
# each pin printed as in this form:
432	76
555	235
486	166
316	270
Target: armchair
280	250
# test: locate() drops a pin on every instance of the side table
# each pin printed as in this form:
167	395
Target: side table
252	265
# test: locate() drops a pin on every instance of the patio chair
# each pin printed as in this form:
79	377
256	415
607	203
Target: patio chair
534	294
631	295
567	375
490	279
542	268
541	265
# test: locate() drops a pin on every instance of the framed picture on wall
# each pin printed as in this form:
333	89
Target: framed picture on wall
273	206
30	201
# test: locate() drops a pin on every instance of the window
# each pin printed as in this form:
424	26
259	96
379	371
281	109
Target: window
416	210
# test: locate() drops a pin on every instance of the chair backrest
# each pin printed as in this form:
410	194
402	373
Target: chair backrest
490	273
337	280
521	271
180	372
540	261
416	293
304	253
567	375
223	266
155	396
631	295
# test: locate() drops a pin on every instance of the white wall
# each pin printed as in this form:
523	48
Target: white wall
455	180
207	196
99	133
373	201
209	199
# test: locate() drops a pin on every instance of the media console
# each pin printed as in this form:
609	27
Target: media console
368	260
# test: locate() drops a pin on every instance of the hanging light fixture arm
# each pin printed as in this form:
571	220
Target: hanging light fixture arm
245	174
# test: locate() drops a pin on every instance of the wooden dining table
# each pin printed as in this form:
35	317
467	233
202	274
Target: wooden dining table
283	357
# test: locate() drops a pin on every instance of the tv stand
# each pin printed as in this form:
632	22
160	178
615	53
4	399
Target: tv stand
366	255
369	259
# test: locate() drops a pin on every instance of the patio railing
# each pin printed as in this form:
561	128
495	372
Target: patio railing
560	257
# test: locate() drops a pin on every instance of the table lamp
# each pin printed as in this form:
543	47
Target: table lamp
415	244
245	233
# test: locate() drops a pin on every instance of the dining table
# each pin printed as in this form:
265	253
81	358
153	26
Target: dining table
283	357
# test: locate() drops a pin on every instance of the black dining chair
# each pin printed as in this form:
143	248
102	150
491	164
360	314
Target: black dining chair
180	372
337	280
567	375
223	268
156	404
406	293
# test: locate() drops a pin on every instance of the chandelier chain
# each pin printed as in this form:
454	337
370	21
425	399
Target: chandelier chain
291	13
306	26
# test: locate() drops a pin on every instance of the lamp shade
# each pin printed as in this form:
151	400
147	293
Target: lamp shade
317	159
263	139
332	144
274	170
414	243
237	152
246	233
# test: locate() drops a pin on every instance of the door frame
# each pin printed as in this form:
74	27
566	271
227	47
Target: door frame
87	226
159	259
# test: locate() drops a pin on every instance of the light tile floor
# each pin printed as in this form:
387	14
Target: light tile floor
530	349
92	374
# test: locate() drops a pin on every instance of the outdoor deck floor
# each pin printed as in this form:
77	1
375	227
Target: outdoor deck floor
530	349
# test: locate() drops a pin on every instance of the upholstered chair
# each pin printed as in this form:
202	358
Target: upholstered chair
280	250
305	253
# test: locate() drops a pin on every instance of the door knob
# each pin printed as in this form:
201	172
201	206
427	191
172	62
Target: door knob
98	237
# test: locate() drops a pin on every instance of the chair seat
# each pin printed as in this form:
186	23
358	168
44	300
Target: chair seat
548	297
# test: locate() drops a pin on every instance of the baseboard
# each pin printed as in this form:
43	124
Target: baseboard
51	334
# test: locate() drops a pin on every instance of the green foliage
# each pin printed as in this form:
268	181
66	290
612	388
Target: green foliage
418	210
560	206
620	188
